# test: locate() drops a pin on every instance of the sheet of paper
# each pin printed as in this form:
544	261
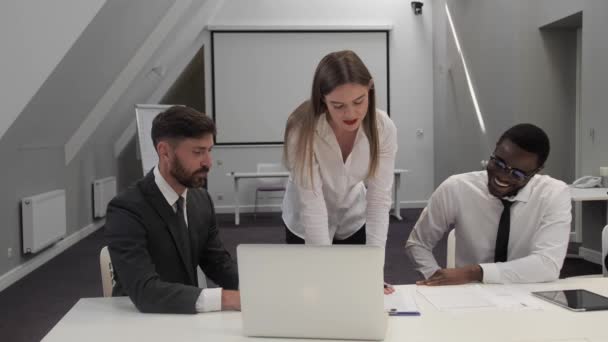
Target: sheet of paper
448	298
401	302
475	297
512	298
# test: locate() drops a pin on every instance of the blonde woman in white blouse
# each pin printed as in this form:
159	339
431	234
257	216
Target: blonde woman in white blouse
340	151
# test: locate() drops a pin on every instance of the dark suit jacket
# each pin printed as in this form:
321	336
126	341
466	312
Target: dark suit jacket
154	262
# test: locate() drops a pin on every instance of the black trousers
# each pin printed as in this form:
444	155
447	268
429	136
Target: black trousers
358	238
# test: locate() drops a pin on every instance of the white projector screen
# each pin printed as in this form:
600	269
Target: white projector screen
259	78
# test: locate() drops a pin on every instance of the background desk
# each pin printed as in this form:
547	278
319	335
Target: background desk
591	219
116	319
236	176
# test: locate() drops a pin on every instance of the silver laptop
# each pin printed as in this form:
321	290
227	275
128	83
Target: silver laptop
312	292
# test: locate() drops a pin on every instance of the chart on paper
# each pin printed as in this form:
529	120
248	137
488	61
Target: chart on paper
474	297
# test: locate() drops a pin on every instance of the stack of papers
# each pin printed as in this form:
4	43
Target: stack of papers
401	303
476	297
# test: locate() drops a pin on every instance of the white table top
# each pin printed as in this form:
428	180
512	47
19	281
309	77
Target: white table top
589	194
114	319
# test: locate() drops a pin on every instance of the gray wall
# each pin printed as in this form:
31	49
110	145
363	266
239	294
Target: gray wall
33	147
520	73
129	166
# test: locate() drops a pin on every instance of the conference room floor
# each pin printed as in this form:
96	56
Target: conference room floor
32	306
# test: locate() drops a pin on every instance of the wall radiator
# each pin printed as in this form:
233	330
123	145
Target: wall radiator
103	191
43	219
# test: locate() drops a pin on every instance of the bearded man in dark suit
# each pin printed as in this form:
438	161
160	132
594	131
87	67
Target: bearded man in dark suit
162	227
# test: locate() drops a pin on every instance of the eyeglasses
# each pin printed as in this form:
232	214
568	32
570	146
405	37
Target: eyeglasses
516	174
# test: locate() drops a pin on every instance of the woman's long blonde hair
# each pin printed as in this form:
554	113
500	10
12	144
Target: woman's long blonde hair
335	69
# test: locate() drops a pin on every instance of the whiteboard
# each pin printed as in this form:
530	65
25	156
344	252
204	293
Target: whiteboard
259	78
144	114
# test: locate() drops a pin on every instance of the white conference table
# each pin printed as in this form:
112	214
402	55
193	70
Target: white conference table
236	176
589	194
116	319
584	195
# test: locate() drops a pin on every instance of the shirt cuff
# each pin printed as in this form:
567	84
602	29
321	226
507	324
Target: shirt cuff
428	271
491	274
209	300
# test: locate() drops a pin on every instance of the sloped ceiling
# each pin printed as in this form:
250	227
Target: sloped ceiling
88	69
35	36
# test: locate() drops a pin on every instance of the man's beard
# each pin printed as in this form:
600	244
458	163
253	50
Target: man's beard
195	179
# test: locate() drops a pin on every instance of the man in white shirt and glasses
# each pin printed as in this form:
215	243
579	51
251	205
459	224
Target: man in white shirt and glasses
511	224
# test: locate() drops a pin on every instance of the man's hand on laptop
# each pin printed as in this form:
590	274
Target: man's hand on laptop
454	276
231	300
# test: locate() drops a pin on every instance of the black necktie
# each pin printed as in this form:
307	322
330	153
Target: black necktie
181	222
180	213
502	238
187	234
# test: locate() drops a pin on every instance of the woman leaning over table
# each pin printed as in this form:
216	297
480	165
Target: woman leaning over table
340	151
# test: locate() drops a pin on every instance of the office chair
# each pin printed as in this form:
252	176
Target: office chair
107	272
268	184
451	250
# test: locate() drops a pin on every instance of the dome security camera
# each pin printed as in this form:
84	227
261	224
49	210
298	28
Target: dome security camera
417	7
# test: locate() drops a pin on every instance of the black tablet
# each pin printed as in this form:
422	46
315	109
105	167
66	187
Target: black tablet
575	300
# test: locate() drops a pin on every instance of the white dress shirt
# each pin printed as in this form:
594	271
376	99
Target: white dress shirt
539	231
209	299
337	203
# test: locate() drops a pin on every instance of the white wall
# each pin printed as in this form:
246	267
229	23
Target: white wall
593	76
593	84
524	74
520	74
594	112
411	84
594	72
35	36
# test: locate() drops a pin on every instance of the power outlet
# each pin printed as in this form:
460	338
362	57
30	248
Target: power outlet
9	252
